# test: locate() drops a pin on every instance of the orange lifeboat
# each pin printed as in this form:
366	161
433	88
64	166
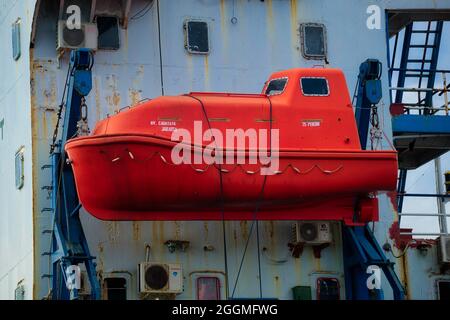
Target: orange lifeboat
290	153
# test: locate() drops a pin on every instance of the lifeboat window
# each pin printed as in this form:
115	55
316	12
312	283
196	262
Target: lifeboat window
276	86
108	33
314	86
313	39
208	288
196	37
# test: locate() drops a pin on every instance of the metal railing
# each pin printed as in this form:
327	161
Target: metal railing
421	104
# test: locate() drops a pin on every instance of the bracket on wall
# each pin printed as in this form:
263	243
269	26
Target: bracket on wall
297	249
174	245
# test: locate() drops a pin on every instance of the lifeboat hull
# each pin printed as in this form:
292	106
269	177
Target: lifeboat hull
132	177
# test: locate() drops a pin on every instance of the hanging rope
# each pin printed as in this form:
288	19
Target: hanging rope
222	198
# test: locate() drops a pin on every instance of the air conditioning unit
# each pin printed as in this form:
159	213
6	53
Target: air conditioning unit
444	249
311	232
86	37
160	277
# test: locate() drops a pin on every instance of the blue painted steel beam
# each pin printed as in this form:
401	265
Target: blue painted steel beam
69	244
362	250
420	124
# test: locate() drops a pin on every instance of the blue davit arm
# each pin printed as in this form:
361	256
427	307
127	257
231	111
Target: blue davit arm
363	256
69	245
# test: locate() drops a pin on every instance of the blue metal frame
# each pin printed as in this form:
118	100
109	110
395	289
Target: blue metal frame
419	124
360	247
69	245
362	250
422	123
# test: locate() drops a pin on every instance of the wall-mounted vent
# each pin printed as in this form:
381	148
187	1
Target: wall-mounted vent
196	37
160	278
85	37
311	232
313	40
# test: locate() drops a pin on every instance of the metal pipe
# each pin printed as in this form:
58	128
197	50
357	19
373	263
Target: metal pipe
419	89
440	190
421	214
419	70
422	234
423	195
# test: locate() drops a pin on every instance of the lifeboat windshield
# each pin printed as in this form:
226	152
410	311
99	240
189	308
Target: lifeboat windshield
313	86
276	86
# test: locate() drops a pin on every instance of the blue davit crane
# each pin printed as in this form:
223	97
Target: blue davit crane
69	246
364	259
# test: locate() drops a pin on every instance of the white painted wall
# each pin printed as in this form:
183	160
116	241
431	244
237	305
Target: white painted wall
16	214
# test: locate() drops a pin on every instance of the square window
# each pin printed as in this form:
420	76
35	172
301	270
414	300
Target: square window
208	288
443	287
328	289
116	288
313	39
16	39
314	86
19	168
108	33
197	40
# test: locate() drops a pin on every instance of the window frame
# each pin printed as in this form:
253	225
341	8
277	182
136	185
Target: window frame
303	41
315	95
186	37
107	288
278	93
15	39
318	280
118	33
438	291
218	285
19	180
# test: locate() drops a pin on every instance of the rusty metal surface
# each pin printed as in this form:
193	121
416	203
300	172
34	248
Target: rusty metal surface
263	37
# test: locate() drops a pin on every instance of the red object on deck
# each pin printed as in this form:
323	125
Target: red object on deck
125	169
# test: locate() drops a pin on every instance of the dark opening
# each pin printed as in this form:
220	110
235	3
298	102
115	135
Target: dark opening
314	86
197	37
313	44
108	33
328	289
276	86
444	290
116	288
